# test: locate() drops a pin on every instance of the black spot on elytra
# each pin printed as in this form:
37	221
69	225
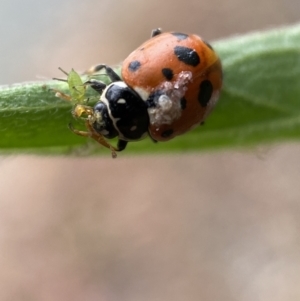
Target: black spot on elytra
208	45
167	133
134	66
183	103
187	55
180	36
205	92
168	73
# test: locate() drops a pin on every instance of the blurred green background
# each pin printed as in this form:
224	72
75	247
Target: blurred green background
203	226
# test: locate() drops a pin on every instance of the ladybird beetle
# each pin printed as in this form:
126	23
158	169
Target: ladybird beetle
167	87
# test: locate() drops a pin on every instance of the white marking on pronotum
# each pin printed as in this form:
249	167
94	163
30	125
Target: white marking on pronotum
142	92
121	101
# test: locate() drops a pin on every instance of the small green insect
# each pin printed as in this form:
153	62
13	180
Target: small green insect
76	87
81	110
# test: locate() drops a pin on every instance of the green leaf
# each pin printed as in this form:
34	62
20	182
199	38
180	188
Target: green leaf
260	103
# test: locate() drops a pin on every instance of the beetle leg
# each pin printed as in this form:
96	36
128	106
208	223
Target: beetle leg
114	77
156	32
96	85
121	145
